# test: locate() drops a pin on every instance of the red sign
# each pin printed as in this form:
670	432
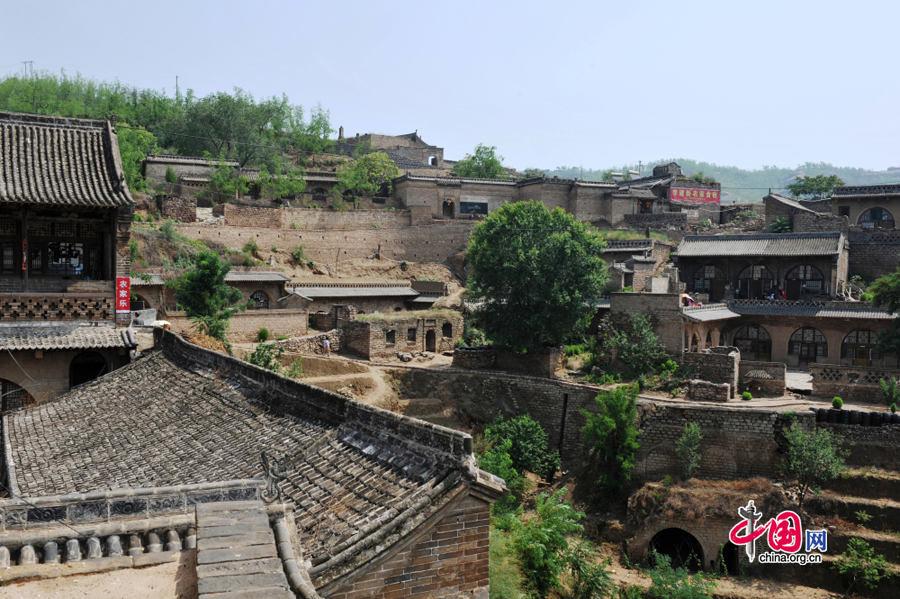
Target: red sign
123	294
697	196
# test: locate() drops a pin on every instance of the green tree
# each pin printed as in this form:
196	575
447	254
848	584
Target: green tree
781	225
612	436
266	355
859	564
534	172
368	175
589	579
886	294
536	274
134	145
638	347
688	448
812	458
529	446
284	181
498	462
313	136
816	187
667	582
541	542
226	183
203	294
483	164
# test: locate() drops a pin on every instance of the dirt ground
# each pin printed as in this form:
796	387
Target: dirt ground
168	581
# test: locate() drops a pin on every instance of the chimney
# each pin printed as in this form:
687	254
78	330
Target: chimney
340	133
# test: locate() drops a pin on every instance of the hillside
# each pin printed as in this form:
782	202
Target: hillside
736	181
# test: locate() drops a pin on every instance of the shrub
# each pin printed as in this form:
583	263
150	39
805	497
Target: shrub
282	337
893	408
890	390
250	247
274	249
506	578
859	564
837	403
529	448
780	225
262	335
266	355
497	461
171	177
612	436
310	263
298	253
168	231
688	448
404	265
667	582
150	218
866	297
296	369
589	579
639	348
746	396
137	218
133	251
812	458
668	367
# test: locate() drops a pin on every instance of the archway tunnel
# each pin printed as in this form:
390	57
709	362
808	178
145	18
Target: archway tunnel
682	548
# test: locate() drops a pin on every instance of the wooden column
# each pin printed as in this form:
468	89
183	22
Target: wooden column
24	249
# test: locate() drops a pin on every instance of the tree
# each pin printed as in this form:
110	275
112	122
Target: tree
266	355
638	347
534	172
688	448
812	458
816	187
781	225
860	564
283	181
204	296
367	175
528	444
134	145
225	183
312	137
484	164
886	294
536	274
612	435
497	461
667	582
589	579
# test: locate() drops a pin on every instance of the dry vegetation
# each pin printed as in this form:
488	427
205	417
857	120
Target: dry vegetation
410	315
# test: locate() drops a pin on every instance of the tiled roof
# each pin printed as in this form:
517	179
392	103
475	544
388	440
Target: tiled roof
155	279
708	313
425	299
359	478
809	309
788	202
24	337
851	191
194	160
401	162
627	245
255	276
60	161
364	290
789	244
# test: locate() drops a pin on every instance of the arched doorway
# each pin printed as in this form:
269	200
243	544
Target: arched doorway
710	279
730	559
754	342
680	546
448	208
85	367
858	347
260	300
755	282
695	342
430	341
709	340
876	218
319	195
808	344
13	396
803	282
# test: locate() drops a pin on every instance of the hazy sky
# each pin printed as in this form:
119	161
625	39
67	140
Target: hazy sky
594	84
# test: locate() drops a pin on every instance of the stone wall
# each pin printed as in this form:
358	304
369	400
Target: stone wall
676	219
312	344
329	220
183	210
384	339
246	325
715	366
547	361
664	310
762	378
477	358
804	222
869	446
705	391
237	215
854	383
873	253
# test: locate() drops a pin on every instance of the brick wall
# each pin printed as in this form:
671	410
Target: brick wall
246	325
543	362
327	220
873	254
477	358
762	377
371	339
849	382
312	344
705	391
868	445
677	219
664	310
452	559
715	366
180	209
804	222
237	215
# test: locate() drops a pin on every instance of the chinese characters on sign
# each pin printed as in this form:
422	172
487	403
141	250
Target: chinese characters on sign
785	537
123	294
697	196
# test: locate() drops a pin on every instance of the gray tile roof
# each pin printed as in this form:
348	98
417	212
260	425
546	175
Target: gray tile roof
60	161
425	299
790	244
862	191
364	290
155	279
708	313
194	160
255	276
788	202
182	415
627	245
57	337
809	309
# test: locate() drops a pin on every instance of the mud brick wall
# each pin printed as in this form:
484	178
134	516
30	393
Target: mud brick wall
678	219
715	366
246	325
432	243
762	377
705	391
873	254
449	560
849	382
370	338
476	358
250	216
327	220
312	344
804	222
543	362
868	445
180	209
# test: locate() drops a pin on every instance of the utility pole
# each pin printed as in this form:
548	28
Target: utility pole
640	169
28	65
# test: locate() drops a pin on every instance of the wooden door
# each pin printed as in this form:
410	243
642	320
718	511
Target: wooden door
862	357
793	288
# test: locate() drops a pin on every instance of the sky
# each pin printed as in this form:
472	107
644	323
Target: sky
592	84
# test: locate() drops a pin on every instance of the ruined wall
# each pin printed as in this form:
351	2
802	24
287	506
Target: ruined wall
664	310
715	366
873	253
477	358
312	344
705	391
246	325
760	378
675	219
384	339
854	383
804	222
183	210
237	215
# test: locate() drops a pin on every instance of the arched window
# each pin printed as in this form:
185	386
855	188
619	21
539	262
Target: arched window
754	343
809	344
13	396
859	346
320	195
755	282
260	300
804	280
704	277
709	342
876	218
695	342
85	367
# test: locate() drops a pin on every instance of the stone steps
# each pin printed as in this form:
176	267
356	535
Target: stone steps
236	553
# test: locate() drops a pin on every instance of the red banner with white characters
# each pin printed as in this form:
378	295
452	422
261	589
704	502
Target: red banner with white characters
698	196
123	294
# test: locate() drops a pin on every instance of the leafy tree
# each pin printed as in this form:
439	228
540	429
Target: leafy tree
891	391
781	225
612	436
498	462
171	177
536	274
368	175
134	145
816	187
203	294
812	458
688	448
699	176
859	564
667	582
283	181
484	164
886	294
638	347
266	355
225	183
534	172
589	580
541	542
528	444
607	176
313	137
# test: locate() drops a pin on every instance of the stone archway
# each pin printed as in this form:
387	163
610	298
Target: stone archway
682	548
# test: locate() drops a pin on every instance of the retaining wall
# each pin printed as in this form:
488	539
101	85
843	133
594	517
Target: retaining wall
760	378
244	326
849	382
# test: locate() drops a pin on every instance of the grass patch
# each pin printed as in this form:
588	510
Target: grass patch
631	234
394	316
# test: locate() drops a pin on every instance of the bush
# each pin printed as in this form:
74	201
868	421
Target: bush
859	564
812	458
282	337
780	225
640	348
529	445
266	355
171	177
589	579
612	436
262	335
168	231
137	218
688	448
296	369
497	461
746	396
890	390
837	403
893	408
133	251
250	247
310	263
507	580
274	249
667	368
298	253
671	583
404	265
